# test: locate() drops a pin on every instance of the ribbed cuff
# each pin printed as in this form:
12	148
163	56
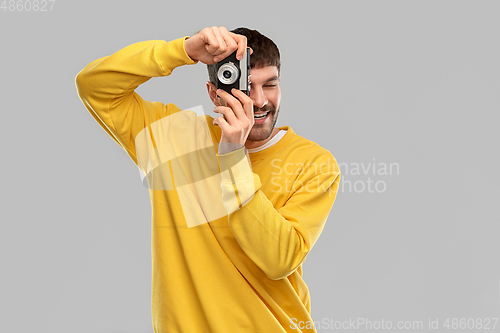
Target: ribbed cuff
173	54
238	182
234	166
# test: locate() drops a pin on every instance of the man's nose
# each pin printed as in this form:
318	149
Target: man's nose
258	97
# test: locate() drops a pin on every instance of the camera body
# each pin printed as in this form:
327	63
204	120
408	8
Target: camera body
234	73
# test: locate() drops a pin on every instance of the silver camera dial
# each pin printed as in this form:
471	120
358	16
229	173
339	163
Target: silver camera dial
228	73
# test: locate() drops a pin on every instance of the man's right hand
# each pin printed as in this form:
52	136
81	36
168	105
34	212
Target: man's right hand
211	45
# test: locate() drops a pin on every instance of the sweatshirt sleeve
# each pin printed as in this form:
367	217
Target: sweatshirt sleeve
277	240
106	87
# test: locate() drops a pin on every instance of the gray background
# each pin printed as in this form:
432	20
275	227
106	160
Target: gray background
409	82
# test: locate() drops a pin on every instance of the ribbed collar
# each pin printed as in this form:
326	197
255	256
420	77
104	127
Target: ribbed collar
276	147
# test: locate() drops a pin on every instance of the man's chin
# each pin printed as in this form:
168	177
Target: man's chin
263	131
260	134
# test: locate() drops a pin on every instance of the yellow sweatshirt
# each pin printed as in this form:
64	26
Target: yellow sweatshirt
229	232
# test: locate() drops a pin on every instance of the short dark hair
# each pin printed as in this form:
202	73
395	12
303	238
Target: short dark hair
265	52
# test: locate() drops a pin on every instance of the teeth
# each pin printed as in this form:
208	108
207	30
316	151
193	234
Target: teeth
260	116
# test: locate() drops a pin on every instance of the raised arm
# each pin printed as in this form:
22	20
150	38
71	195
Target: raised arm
106	87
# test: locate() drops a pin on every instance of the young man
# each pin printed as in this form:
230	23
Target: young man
237	204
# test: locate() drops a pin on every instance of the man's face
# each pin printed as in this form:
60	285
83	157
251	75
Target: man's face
265	93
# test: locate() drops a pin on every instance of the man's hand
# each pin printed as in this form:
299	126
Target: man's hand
237	120
211	45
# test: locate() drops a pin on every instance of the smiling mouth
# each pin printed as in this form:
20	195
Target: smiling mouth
261	115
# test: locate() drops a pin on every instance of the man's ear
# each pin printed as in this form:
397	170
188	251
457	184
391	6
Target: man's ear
212	92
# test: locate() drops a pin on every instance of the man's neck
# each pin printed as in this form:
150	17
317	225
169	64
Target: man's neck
255	144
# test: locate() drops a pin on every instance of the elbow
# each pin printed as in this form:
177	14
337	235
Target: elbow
285	264
86	88
278	274
281	271
80	82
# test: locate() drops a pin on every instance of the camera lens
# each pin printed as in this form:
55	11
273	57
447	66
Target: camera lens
228	73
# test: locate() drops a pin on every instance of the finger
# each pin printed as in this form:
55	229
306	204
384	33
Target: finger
222	44
230	43
228	114
211	42
242	44
246	101
216	120
232	102
224	126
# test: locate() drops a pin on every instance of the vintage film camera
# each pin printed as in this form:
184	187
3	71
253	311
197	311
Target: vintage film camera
233	73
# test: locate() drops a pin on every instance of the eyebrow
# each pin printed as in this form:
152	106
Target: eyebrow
274	78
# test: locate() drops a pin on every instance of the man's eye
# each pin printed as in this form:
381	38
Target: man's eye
270	85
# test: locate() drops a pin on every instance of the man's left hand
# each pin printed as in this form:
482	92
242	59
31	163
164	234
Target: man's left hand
237	120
